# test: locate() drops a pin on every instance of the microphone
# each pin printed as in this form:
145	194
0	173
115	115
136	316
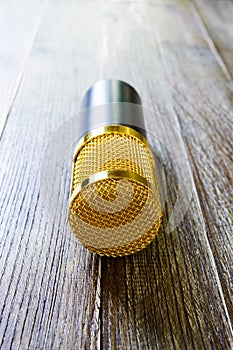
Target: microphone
114	207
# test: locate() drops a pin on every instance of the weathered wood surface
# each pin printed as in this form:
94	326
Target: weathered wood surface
19	23
177	293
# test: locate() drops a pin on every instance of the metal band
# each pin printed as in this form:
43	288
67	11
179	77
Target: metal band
109	129
110	174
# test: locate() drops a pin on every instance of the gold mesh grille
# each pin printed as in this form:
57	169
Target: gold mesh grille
115	208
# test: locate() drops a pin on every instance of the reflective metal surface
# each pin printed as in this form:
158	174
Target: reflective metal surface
119	104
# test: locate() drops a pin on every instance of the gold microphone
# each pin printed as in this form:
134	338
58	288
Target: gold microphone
115	207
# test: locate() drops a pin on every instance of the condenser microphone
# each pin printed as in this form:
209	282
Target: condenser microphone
114	205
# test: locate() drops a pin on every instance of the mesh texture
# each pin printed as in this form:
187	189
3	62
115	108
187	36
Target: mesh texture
115	216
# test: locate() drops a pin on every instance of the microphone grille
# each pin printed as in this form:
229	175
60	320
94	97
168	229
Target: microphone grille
114	207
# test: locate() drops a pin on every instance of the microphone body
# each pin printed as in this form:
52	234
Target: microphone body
115	205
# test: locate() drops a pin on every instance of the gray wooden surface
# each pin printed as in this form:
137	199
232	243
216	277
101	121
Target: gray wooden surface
177	293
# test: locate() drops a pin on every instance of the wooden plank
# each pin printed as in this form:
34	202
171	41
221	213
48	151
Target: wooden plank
19	23
49	283
217	25
171	295
205	115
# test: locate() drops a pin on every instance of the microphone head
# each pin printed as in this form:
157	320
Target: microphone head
115	206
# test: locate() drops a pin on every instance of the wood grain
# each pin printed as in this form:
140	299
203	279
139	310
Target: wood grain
190	76
177	293
216	18
204	125
19	25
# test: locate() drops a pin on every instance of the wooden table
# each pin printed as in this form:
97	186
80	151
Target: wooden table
177	293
